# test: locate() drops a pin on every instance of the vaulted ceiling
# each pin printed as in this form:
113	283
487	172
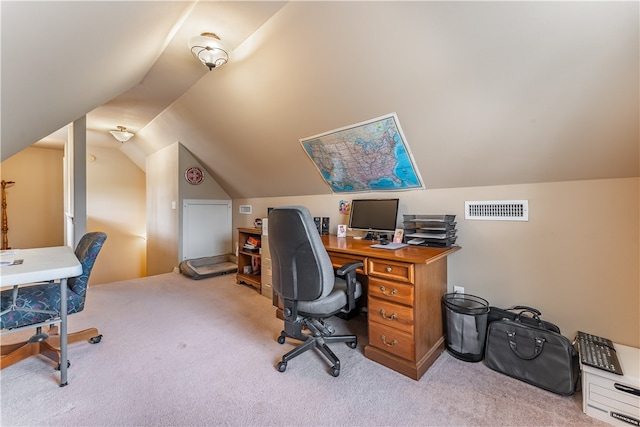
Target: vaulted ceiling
487	93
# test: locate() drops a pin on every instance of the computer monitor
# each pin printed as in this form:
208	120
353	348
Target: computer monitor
373	216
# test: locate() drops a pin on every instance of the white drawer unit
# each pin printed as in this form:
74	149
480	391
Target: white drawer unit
614	399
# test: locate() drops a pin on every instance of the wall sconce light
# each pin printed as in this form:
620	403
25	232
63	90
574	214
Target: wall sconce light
208	49
122	134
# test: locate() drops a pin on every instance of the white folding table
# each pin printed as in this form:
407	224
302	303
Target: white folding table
40	265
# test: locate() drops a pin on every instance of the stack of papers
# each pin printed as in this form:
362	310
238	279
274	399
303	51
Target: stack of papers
8	257
390	245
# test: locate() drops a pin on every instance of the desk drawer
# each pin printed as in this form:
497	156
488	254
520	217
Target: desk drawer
392	270
392	341
395	292
339	259
393	315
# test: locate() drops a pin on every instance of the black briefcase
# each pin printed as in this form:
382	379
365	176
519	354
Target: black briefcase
532	354
521	313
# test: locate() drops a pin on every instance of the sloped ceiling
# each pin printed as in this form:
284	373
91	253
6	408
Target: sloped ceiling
487	93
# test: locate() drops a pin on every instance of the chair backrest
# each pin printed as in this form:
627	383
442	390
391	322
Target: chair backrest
86	252
301	267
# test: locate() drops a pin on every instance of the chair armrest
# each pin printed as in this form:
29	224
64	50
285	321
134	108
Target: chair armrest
348	271
348	268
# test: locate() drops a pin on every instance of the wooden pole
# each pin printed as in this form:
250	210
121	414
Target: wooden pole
5	226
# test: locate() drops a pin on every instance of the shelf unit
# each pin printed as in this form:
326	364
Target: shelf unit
430	230
249	261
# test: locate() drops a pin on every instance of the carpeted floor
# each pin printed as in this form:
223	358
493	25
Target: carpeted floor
182	352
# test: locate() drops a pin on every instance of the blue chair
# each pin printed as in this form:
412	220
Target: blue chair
35	305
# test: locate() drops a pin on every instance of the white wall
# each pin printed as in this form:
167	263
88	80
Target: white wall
35	206
208	189
162	210
576	259
116	205
166	189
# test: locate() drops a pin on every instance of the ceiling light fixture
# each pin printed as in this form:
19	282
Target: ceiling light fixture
122	134
208	49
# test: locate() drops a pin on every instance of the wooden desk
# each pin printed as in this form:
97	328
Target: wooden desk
41	265
405	287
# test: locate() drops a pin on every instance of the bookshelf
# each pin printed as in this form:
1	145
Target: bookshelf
249	257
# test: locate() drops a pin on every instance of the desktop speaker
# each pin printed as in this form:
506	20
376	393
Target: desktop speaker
325	225
316	219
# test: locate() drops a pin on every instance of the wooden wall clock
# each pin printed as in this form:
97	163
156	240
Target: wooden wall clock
194	175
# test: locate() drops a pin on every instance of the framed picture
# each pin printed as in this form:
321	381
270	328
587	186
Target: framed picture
398	235
342	230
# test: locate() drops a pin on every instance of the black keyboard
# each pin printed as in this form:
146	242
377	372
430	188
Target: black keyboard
598	352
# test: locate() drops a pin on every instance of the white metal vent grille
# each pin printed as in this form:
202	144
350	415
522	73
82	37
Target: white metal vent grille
246	209
497	210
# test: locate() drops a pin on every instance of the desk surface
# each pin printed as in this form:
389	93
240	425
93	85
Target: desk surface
412	253
38	265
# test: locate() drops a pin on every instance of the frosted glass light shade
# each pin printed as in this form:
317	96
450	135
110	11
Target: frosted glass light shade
122	134
208	49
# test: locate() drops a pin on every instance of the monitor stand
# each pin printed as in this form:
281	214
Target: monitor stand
374	235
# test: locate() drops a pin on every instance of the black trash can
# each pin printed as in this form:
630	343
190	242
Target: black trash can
465	325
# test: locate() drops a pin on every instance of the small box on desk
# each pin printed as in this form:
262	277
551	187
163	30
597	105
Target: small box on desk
614	399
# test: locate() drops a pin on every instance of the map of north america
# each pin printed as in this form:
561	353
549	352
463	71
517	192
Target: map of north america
367	157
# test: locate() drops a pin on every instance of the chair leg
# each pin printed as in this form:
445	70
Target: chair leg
324	349
13	353
349	339
306	345
318	340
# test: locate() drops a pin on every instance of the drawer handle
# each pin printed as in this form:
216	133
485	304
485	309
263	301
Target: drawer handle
389	269
393	316
627	389
384	341
390	293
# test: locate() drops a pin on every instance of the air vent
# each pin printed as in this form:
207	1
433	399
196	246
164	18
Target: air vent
497	210
246	209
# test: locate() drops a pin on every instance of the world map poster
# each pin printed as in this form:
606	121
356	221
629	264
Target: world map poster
367	156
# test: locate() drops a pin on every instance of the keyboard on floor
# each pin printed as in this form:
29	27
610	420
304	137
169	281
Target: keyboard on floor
598	352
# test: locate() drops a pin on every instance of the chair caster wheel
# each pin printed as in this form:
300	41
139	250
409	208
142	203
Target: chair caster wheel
95	340
335	371
282	366
352	344
281	339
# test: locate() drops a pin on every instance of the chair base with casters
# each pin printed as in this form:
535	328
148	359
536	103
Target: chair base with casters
320	335
46	344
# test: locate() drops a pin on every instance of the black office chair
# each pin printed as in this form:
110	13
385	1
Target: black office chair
305	281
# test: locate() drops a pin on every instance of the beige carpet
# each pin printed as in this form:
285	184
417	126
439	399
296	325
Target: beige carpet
182	352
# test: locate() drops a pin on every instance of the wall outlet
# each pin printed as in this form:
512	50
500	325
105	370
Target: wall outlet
458	289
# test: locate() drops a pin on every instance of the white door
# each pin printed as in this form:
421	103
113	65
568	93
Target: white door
206	228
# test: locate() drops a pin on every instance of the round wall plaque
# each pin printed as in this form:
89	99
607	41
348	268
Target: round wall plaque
194	175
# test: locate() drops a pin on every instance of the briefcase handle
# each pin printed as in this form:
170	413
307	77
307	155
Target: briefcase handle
526	308
535	315
537	349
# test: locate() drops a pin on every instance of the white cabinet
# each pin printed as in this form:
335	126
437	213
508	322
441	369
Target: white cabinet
614	399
